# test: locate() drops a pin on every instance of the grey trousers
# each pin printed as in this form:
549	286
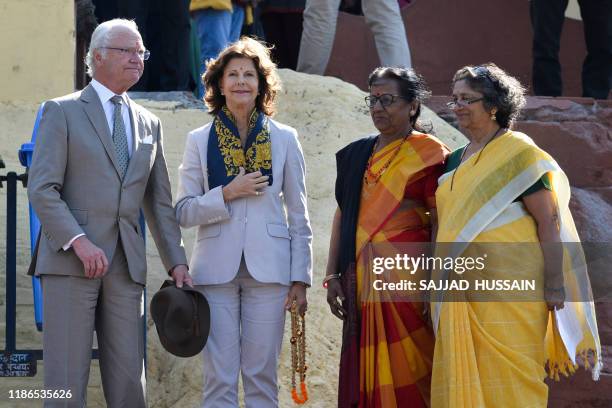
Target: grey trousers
382	16
246	332
72	308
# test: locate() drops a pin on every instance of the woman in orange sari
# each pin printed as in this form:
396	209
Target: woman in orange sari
385	191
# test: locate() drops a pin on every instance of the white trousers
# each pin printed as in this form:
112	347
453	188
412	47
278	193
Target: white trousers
246	333
382	16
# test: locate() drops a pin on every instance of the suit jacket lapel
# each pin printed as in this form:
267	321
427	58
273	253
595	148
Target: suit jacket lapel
95	113
203	149
134	119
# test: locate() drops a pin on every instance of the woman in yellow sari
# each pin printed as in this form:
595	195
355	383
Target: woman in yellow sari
385	191
502	189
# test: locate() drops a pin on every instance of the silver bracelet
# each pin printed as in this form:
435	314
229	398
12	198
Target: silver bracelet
329	277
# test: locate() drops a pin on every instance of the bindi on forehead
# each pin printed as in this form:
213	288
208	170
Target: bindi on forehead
240	69
242	63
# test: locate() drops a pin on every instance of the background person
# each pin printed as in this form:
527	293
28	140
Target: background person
218	24
282	25
319	29
547	18
166	28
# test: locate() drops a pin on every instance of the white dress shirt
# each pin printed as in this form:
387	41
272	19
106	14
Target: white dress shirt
105	96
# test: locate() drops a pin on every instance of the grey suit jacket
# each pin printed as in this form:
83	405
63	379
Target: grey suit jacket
75	187
272	230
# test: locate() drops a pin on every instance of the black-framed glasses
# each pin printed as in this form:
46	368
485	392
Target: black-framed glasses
142	54
460	103
385	100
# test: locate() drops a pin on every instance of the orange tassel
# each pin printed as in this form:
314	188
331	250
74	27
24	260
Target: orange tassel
298	355
296	397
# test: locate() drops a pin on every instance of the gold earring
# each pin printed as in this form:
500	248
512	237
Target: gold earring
493	116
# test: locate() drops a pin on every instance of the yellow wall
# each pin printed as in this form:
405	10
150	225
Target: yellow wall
37	49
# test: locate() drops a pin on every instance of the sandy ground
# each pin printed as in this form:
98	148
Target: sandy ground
328	114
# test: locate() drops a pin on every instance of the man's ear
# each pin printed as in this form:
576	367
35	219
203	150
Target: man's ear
97	56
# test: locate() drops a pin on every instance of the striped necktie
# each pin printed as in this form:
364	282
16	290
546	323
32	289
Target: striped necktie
120	136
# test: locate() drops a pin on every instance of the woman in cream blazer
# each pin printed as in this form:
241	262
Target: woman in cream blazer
242	184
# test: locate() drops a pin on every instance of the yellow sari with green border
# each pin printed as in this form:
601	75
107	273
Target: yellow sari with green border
489	352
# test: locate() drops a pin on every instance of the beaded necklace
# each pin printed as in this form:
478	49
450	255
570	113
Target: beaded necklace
298	355
375	176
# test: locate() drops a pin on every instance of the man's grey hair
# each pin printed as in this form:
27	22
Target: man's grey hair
101	37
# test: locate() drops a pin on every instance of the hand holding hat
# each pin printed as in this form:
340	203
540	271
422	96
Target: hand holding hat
180	274
182	319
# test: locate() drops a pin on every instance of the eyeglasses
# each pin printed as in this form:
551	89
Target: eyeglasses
142	54
385	100
461	103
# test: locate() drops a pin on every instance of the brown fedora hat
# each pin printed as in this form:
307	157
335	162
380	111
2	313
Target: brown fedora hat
182	319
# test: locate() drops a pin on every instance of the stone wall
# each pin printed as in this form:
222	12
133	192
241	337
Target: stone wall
446	35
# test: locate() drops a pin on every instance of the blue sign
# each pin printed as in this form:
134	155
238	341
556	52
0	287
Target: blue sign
17	365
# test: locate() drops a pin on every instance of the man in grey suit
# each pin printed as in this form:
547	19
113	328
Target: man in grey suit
99	158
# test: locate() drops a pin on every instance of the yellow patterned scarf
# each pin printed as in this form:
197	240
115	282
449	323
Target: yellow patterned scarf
226	155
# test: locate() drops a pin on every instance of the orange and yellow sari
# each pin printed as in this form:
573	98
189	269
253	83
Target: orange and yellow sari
396	345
